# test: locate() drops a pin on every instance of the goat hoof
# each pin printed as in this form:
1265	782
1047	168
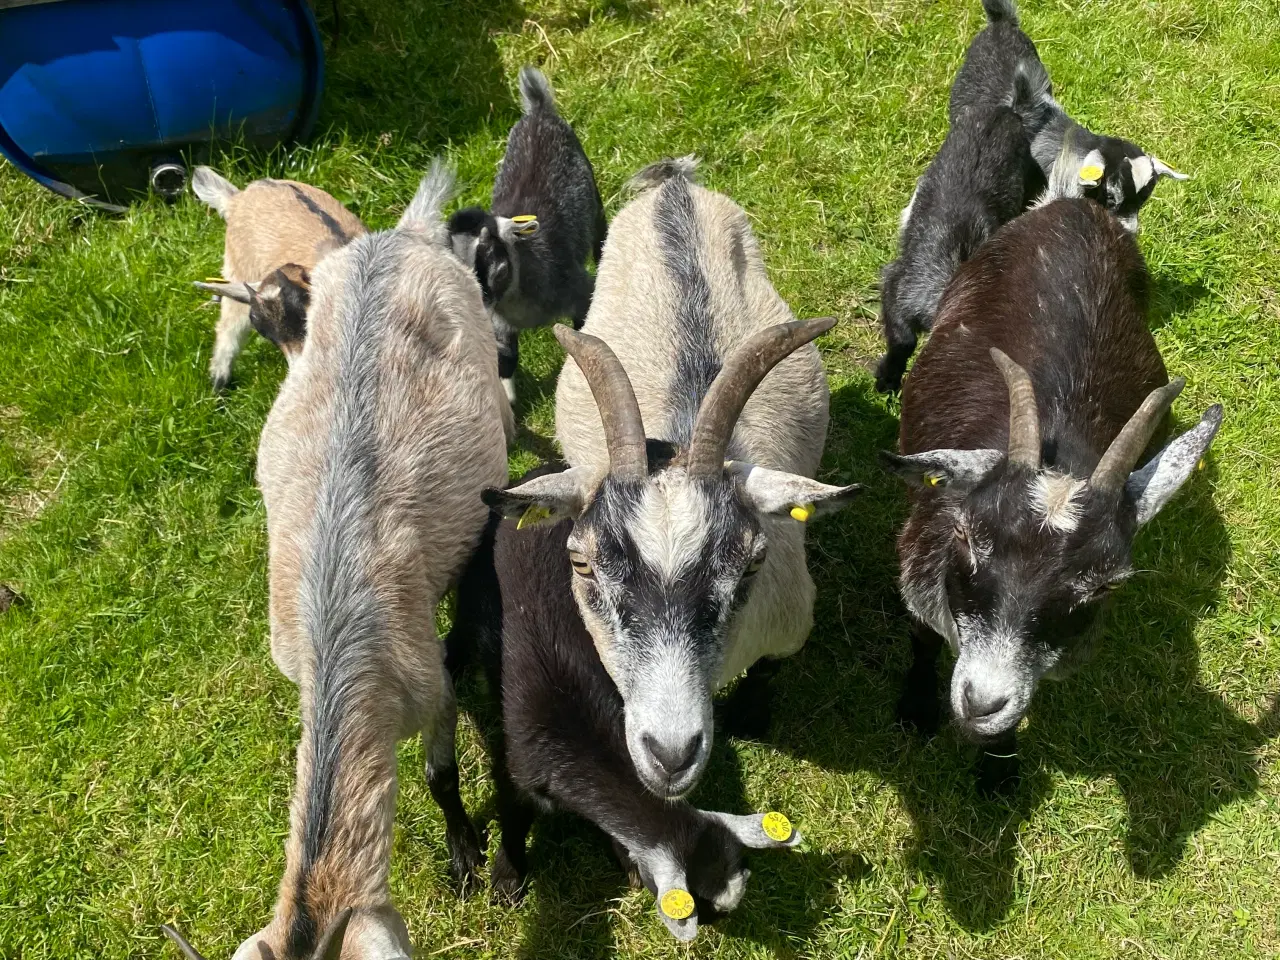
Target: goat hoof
465	861
998	776
887	381
506	882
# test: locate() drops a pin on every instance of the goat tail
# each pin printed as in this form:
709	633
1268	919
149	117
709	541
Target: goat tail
426	209
1033	96
670	168
1001	11
213	188
535	91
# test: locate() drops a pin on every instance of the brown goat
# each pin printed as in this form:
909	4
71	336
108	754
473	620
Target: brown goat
277	231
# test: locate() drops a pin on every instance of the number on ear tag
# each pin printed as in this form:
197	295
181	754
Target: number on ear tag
677	904
777	827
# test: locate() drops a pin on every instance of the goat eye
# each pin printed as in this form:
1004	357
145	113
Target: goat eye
753	567
581	566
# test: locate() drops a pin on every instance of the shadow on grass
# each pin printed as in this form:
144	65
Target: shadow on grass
425	69
1139	714
1171	297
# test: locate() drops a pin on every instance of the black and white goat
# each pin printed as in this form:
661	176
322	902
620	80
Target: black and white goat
1115	172
530	247
277	231
983	177
564	739
1022	525
687	574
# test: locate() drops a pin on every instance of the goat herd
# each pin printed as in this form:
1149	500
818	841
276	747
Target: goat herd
668	558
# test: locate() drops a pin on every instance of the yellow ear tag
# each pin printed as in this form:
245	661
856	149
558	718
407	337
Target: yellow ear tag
777	827
802	512
1090	174
531	516
1200	465
526	224
933	480
677	904
214	280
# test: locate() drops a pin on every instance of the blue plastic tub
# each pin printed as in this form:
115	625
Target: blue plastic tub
99	98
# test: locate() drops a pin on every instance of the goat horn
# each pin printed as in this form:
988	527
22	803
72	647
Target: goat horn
242	292
1122	456
742	372
188	951
615	399
1024	418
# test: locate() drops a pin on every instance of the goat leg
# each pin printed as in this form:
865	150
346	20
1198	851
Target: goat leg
748	712
919	707
465	857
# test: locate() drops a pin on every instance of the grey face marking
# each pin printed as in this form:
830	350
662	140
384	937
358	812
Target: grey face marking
661	566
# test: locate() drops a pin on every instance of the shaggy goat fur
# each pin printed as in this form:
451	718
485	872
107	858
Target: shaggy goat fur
371	465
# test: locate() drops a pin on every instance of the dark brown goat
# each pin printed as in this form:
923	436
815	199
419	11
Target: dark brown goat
1022	423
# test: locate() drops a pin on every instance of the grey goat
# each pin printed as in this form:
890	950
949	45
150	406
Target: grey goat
530	248
371	466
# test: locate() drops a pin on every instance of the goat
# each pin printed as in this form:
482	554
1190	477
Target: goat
1115	172
371	465
528	251
277	231
687	575
982	178
1021	527
564	742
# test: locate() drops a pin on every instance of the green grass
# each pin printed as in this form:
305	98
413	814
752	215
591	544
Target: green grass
146	740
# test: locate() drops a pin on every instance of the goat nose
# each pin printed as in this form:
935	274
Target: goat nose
671	759
982	703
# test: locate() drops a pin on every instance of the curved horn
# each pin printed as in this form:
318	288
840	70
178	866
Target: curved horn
615	399
1024	418
742	372
1122	456
188	951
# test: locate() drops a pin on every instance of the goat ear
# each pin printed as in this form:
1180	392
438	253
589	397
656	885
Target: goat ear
330	946
1162	169
512	230
958	470
551	496
769	831
779	493
240	292
1155	484
1091	169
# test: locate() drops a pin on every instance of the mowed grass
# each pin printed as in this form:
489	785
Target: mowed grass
146	739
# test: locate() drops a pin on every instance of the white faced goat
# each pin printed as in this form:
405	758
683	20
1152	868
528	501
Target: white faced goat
688	574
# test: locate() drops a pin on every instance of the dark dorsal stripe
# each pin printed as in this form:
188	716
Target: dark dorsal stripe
330	224
337	600
697	362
